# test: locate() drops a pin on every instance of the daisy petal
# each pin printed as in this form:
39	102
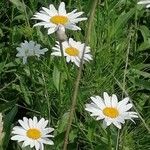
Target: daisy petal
107	99
61	9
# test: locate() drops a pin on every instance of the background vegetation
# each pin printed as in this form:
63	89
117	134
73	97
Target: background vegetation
120	43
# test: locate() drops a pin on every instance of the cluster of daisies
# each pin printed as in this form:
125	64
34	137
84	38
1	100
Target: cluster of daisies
57	21
34	133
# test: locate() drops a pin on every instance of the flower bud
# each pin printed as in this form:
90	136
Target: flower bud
61	35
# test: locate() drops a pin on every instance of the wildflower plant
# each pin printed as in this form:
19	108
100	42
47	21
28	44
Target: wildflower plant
110	110
33	133
52	19
110	41
72	50
28	49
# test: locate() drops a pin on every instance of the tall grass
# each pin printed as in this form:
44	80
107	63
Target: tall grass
119	41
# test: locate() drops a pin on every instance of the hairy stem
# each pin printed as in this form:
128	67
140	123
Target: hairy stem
74	97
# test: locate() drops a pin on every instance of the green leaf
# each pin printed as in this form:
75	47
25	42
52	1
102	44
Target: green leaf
121	22
142	73
56	77
7	125
6	106
63	123
143	84
20	6
145	45
145	32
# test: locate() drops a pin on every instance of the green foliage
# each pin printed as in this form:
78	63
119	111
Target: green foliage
42	89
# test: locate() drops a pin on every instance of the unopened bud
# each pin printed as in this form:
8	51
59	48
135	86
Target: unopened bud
61	34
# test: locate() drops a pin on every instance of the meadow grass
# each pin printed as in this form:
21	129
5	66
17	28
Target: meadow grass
119	40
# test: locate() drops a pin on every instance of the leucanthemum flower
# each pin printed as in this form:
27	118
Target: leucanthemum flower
33	133
51	18
145	2
110	110
28	49
72	50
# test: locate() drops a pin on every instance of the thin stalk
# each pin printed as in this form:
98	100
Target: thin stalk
124	81
65	65
69	3
74	97
126	64
7	85
47	97
26	15
60	95
134	107
109	139
63	59
135	26
118	137
37	112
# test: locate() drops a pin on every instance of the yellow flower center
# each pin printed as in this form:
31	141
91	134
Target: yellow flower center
59	19
72	51
33	134
110	112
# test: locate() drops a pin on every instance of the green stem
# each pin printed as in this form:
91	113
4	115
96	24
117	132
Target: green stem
134	107
109	139
65	66
26	15
64	61
34	111
47	98
117	142
69	3
74	97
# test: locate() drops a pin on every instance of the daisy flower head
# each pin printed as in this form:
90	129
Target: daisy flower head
145	2
33	133
28	49
51	18
110	110
72	50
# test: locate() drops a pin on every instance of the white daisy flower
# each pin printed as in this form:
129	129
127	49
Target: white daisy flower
51	18
72	51
28	49
33	133
110	110
145	2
